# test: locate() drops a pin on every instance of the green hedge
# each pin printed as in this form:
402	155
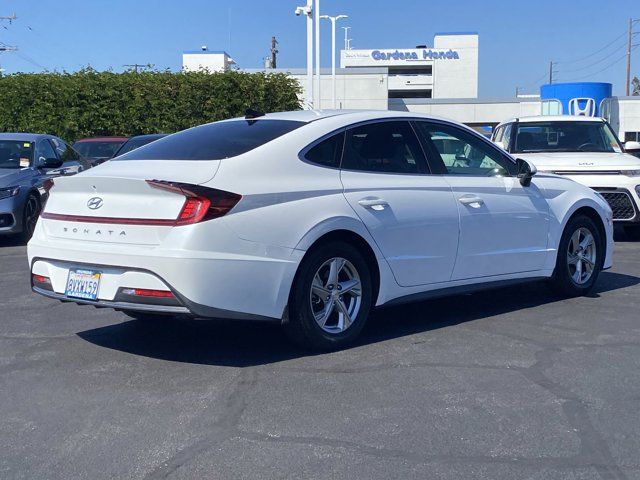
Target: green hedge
89	103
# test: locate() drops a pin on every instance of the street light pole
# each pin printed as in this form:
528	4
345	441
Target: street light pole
316	16
333	53
307	11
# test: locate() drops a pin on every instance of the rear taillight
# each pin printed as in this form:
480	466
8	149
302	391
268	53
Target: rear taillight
201	203
145	292
47	185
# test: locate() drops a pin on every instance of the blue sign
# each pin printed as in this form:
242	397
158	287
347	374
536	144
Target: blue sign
427	54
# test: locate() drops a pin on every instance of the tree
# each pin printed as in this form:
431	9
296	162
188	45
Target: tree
636	86
88	103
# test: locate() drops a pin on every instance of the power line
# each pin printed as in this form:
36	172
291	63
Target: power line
606	67
597	51
597	62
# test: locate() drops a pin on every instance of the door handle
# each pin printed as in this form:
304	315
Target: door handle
373	203
471	200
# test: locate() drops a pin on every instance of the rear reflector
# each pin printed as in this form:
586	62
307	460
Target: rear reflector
144	292
41	279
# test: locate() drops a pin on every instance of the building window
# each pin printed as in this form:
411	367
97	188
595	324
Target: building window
415	70
409	93
632	136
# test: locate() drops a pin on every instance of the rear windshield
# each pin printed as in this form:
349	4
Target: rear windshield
214	141
97	149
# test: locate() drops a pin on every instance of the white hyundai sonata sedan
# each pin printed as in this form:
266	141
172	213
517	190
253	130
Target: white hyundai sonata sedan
311	219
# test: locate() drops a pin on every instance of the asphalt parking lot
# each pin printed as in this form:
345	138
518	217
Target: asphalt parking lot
506	384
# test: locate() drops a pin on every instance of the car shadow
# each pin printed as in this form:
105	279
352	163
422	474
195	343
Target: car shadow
11	241
243	344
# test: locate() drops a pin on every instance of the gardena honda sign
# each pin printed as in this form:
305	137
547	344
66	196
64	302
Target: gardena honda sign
423	54
390	57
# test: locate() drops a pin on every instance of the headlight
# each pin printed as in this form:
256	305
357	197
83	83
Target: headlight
9	192
631	173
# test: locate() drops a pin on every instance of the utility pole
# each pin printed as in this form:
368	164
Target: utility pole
629	48
134	66
274	52
7	48
551	71
346	37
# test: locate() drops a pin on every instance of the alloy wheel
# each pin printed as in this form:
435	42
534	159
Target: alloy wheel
336	295
581	256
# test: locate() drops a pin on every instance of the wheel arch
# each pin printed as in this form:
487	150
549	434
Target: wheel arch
354	238
592	211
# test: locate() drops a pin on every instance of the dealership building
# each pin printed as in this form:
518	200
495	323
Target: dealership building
440	79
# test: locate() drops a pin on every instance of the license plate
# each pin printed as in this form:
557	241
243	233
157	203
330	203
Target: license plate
83	284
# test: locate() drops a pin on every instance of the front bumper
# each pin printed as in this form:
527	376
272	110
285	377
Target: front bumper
620	192
10	215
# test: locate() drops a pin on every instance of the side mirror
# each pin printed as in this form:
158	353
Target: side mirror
500	144
632	147
526	171
49	162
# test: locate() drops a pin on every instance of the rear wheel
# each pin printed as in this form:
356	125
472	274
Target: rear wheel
580	257
331	298
30	216
632	232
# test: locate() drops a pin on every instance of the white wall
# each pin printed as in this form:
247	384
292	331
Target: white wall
476	111
353	91
629	116
456	78
205	60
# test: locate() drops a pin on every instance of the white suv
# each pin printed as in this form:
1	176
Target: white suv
585	149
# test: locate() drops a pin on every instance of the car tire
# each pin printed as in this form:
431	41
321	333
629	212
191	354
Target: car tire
30	214
632	232
330	299
580	258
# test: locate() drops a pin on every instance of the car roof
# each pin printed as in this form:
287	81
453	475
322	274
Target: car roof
102	139
149	135
349	116
24	137
554	118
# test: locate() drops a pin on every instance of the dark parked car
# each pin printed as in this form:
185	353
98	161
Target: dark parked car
99	149
138	141
27	160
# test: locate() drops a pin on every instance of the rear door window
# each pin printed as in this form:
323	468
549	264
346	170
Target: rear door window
214	141
383	147
327	152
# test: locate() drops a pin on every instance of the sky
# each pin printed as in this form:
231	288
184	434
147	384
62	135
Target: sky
518	39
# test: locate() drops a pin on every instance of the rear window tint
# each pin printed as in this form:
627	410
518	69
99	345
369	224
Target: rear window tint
214	141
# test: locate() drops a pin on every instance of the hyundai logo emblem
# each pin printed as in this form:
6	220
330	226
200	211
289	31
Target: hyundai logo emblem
94	203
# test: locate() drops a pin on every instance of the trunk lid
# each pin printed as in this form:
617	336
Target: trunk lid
108	202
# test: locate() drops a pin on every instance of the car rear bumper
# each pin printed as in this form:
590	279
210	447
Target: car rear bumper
251	282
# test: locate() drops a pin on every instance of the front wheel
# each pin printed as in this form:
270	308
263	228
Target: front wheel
580	257
330	299
30	216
